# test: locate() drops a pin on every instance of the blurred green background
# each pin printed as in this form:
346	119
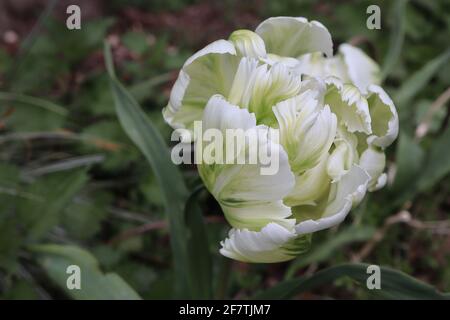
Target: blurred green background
74	188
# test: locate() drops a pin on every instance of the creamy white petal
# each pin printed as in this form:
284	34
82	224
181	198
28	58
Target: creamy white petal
348	192
221	114
384	117
307	130
248	197
361	69
267	87
248	44
242	81
264	246
310	185
351	108
272	59
209	71
344	154
292	37
373	161
217	47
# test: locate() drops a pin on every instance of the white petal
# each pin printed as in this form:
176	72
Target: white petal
265	246
349	105
309	186
267	87
248	197
217	47
209	71
251	199
274	58
242	81
344	155
361	69
221	114
307	130
373	161
248	44
292	37
348	192
384	117
175	103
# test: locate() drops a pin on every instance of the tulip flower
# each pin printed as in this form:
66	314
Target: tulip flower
325	118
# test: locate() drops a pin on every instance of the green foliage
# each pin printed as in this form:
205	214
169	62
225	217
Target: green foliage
395	284
76	143
55	259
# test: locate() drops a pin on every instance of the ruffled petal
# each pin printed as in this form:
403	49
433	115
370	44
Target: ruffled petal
248	44
384	117
351	108
292	37
249	192
361	69
267	87
374	161
307	130
265	246
348	192
310	185
209	71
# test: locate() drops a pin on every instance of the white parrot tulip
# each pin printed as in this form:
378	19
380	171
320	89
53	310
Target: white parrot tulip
332	119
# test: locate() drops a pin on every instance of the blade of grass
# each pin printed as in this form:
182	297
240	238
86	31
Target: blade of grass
94	284
146	136
396	39
41	103
331	246
198	247
414	84
394	284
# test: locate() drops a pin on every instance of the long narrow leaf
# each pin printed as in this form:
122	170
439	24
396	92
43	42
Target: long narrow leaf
396	39
33	101
330	247
146	136
55	259
394	284
438	162
198	246
52	192
411	87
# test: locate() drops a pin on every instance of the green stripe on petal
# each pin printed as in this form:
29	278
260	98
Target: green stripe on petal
209	71
345	194
373	161
248	44
307	130
249	198
350	106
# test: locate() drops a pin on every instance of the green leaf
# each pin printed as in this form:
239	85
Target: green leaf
404	185
144	134
396	39
136	42
94	284
199	255
437	165
33	101
412	86
327	248
394	284
143	90
51	195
